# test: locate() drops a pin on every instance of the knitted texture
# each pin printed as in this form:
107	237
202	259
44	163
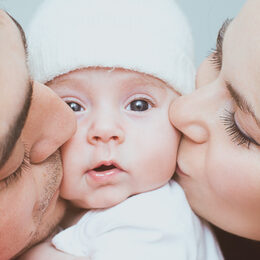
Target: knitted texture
147	36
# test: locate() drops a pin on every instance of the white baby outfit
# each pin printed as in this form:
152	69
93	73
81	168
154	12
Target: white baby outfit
153	225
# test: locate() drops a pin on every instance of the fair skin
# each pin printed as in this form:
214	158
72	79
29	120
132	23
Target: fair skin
218	158
107	160
30	166
221	177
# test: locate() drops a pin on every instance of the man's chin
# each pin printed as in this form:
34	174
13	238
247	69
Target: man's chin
48	226
50	221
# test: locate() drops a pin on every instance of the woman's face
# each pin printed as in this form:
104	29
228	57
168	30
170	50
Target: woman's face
219	155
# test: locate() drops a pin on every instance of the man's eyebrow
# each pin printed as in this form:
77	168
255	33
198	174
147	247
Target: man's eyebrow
22	33
241	102
10	139
217	53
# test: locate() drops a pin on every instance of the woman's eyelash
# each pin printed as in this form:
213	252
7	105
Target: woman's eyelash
237	136
25	165
215	59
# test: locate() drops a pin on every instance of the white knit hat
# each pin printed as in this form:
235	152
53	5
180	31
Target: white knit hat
148	36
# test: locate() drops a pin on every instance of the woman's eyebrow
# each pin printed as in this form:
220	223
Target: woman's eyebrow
241	102
217	57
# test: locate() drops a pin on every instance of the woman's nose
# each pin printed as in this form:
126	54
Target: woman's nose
104	129
190	114
50	123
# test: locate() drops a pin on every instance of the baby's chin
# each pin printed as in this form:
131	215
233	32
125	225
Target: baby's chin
99	201
108	196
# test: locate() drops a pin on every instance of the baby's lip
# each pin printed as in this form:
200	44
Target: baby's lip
106	166
104	172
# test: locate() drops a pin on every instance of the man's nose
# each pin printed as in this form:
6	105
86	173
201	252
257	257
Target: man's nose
191	114
105	128
50	123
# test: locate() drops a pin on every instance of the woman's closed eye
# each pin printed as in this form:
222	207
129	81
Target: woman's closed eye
237	135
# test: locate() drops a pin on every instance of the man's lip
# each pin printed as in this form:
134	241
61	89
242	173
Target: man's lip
180	172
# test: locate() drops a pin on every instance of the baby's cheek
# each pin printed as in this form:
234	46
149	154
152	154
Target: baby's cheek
174	138
67	183
66	188
174	135
165	155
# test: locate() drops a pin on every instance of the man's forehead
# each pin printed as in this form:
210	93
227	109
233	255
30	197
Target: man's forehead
13	69
14	80
8	27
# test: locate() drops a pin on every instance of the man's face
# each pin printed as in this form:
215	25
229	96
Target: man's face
124	144
30	165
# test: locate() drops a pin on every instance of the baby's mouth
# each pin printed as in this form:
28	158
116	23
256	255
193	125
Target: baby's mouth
103	168
104	171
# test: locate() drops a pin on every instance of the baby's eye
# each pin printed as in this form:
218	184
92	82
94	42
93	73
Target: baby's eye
75	106
138	105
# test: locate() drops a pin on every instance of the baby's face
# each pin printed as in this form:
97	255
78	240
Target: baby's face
124	144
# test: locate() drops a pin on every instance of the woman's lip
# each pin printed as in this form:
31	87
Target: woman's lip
180	172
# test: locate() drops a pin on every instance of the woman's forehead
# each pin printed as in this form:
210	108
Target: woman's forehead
241	56
244	30
241	45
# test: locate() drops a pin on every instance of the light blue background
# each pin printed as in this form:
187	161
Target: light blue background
205	16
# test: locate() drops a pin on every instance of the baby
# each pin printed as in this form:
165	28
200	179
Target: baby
119	64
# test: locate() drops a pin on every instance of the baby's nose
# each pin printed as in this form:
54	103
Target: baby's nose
105	132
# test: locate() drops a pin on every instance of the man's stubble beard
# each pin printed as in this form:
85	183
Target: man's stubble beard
45	223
